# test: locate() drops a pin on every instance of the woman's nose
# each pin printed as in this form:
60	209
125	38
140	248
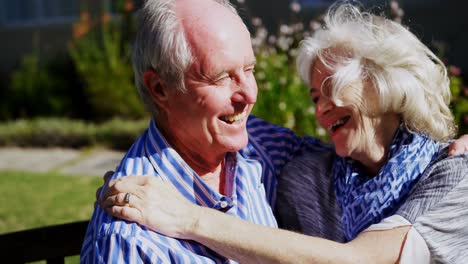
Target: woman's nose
323	106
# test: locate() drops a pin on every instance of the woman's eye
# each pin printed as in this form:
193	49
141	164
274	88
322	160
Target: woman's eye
315	99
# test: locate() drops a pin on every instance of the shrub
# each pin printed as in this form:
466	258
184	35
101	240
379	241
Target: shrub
56	132
102	59
459	99
36	90
283	98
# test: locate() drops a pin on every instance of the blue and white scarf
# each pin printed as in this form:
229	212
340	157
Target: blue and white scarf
367	200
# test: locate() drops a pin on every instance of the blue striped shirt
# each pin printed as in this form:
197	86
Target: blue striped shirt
250	187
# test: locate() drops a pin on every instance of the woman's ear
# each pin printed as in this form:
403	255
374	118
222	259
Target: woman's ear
156	88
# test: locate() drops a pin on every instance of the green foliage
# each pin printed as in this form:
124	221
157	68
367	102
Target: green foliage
36	89
55	132
102	60
283	98
459	100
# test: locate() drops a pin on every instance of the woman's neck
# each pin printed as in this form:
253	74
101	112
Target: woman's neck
375	152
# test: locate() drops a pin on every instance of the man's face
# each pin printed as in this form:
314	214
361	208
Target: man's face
221	90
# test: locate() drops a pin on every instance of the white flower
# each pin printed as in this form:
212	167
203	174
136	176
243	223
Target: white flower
282	105
295	7
260	76
285	29
256	21
293	52
321	131
272	40
282	81
291	121
314	25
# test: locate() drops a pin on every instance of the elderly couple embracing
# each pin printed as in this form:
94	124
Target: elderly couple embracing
208	183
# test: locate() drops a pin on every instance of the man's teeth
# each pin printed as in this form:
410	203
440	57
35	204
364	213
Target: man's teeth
234	118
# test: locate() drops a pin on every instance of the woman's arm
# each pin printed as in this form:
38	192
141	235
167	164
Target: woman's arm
160	207
249	243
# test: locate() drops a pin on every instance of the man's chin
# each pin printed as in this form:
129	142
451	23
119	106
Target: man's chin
235	144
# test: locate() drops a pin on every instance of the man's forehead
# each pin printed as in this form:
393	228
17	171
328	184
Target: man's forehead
202	13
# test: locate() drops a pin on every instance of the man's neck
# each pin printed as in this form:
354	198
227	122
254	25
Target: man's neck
213	175
209	165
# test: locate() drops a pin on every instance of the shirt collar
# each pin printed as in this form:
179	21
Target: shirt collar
166	161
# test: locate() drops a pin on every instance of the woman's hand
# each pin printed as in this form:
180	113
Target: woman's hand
150	202
459	146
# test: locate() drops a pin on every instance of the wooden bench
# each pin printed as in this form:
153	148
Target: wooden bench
50	243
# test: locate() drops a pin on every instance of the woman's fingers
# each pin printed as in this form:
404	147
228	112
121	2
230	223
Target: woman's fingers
105	178
121	199
459	146
107	175
125	212
127	184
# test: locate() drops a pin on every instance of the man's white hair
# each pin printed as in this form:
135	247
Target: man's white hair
161	45
409	79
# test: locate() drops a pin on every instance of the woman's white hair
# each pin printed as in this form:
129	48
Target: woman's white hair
161	45
409	79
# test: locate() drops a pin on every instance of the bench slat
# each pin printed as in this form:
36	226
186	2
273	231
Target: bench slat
51	243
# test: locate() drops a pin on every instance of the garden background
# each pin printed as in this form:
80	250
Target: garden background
75	89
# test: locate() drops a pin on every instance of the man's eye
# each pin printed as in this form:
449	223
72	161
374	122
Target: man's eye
252	70
222	79
315	99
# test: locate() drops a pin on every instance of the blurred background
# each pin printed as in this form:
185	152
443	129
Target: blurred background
66	83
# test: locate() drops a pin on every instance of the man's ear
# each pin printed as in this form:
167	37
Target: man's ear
156	88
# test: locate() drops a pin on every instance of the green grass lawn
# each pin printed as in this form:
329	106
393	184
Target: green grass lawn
29	200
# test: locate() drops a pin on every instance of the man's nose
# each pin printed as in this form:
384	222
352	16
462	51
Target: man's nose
245	92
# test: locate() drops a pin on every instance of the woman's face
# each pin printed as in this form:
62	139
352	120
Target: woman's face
356	129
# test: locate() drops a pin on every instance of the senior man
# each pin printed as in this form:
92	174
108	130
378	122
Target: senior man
194	65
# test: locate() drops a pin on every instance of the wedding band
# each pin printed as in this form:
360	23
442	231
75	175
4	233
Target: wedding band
127	198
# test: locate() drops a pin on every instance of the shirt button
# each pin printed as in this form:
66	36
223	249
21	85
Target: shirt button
223	204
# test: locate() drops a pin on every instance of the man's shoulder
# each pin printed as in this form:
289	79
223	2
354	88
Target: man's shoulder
112	240
137	159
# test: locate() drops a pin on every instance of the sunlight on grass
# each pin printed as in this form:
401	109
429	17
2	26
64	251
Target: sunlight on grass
32	200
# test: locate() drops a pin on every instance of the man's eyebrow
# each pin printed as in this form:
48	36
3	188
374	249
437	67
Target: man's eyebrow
252	63
219	74
225	71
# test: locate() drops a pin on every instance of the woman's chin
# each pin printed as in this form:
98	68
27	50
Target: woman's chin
342	151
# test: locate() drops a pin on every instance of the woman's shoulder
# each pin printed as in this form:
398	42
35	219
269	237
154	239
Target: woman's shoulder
445	177
437	203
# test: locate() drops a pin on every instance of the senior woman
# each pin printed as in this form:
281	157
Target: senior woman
394	195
